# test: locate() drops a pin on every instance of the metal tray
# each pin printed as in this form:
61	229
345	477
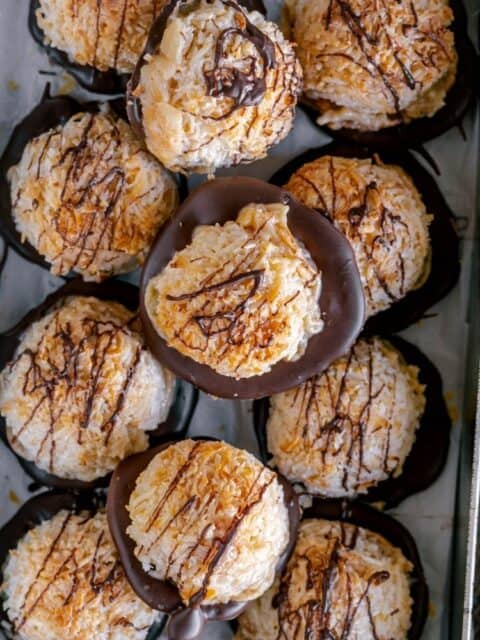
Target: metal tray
444	519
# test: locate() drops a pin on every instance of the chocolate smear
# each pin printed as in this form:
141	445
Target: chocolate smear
428	456
181	411
35	511
185	623
445	252
341	300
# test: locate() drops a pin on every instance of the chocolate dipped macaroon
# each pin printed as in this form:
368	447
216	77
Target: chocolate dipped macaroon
395	218
97	42
61	576
79	390
364	428
216	86
400	73
85	194
246	290
202	528
354	573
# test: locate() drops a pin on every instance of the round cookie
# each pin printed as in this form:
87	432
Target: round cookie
341	581
81	391
369	67
89	197
353	426
217	86
379	209
64	580
241	296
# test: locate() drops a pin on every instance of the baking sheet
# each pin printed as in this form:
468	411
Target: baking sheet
443	337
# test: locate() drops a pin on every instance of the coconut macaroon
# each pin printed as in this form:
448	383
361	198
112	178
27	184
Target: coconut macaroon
351	427
380	211
211	519
104	34
82	392
89	197
342	581
241	296
218	90
65	580
368	65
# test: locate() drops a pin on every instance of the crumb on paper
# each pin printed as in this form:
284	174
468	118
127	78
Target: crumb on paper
12	496
452	407
12	85
68	84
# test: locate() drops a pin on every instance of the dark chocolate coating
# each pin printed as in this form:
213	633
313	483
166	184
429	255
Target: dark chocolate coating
428	456
108	82
134	105
48	114
445	257
341	299
365	516
185	622
181	411
31	514
457	102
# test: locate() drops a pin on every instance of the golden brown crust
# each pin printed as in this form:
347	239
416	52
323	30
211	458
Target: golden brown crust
378	208
89	197
105	34
370	64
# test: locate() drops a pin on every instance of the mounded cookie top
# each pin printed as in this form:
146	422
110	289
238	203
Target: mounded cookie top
368	65
351	427
341	581
218	90
241	296
89	197
211	519
64	580
82	392
378	208
105	34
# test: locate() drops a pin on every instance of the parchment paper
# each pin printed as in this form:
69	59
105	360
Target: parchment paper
428	515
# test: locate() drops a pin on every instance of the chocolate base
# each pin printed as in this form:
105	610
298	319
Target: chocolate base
181	411
107	82
341	300
134	105
185	623
48	114
425	462
445	251
369	518
457	102
35	511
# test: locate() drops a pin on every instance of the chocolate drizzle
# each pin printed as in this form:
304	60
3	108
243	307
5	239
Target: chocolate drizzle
61	378
81	183
423	464
185	622
315	615
38	509
445	255
89	77
341	299
419	130
243	82
361	515
246	88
